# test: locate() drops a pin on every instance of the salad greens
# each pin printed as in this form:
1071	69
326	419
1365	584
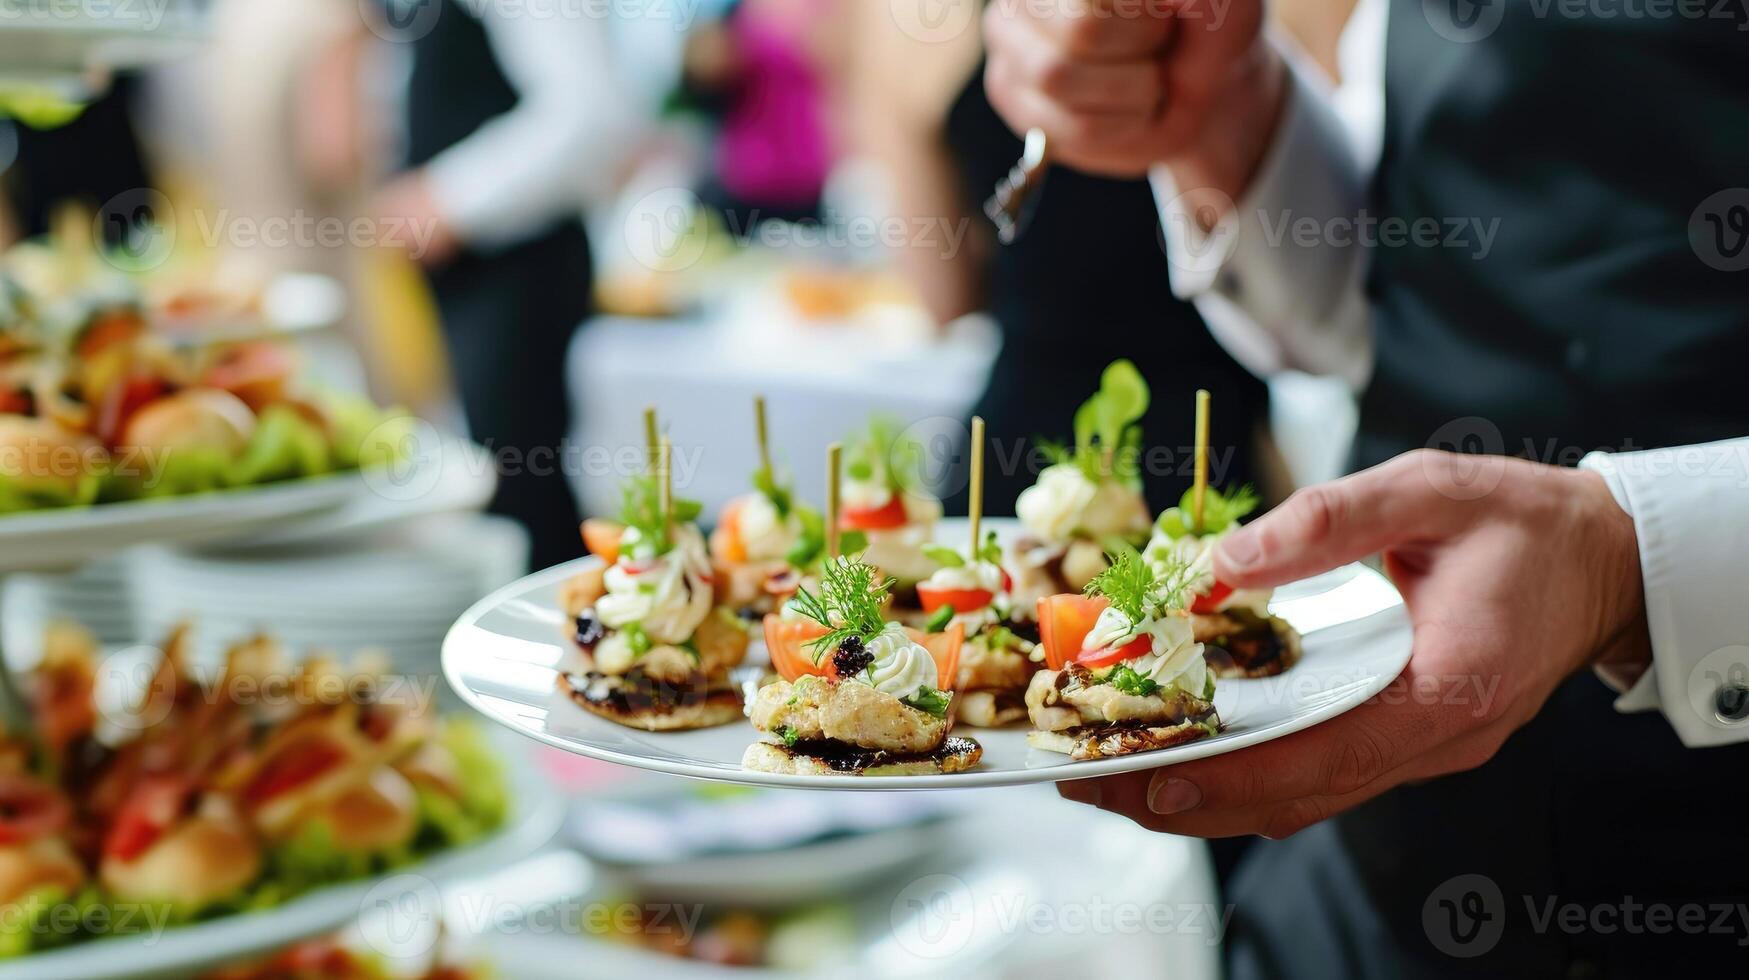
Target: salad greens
647	528
1220	511
1140	589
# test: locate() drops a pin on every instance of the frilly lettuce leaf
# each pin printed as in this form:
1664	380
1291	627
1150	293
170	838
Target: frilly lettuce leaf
286	446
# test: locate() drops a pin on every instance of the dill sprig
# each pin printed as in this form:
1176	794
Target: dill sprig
1139	588
848	604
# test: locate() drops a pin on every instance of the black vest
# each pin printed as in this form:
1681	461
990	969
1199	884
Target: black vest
1595	319
455	85
1594	145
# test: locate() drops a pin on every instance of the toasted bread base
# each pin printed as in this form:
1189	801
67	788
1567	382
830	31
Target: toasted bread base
956	754
1105	741
715	706
990	707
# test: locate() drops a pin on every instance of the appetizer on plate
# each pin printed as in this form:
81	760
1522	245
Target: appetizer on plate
232	793
767	542
657	649
1089	501
1125	674
1001	647
884	500
856	694
1240	638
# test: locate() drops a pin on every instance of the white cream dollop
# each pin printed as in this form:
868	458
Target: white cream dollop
668	595
1174	658
866	494
1065	503
901	667
1052	507
767	535
1198	553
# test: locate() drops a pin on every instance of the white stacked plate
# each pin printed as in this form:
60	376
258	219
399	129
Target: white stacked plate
396	591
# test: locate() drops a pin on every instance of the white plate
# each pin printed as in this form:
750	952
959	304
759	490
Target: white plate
187	951
504	655
52	540
442	474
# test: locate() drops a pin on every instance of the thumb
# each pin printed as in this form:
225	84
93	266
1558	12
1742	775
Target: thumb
1331	524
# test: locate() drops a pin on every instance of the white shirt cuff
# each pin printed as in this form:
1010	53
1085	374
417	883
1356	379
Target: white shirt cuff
1690	507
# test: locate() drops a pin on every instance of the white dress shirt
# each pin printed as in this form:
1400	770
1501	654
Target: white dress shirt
1280	300
564	141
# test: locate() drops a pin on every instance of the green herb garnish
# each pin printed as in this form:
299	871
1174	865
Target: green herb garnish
789	736
1136	588
848	604
775	490
641	512
810	546
881	454
931	701
938	619
990	553
1108	440
1220	511
1124	678
636	639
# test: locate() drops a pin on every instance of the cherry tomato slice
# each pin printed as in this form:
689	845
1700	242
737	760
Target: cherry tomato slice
30	808
153	806
602	538
1063	622
291	768
1096	659
962	600
1211	602
791	657
727	545
889	515
945	648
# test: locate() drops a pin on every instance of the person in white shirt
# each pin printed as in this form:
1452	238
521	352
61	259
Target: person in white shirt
516	115
1478	236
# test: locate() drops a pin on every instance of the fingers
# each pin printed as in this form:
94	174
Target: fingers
1030	58
1091	30
1332	524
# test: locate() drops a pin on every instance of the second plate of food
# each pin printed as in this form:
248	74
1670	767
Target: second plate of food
507	654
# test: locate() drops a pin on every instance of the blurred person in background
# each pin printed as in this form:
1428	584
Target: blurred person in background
514	118
1596	613
43	168
1086	282
767	69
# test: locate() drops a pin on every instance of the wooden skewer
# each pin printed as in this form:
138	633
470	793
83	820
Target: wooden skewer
764	435
834	460
652	434
1200	489
975	502
665	467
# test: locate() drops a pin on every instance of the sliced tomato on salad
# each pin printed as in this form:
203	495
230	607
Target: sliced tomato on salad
885	517
255	372
122	400
962	600
1211	601
30	809
1064	622
155	804
602	538
945	648
791	656
15	401
292	767
1095	659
